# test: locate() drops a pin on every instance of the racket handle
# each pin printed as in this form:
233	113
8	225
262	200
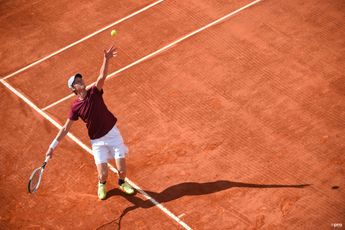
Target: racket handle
47	158
45	161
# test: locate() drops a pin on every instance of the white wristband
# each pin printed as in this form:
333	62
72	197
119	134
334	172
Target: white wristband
53	144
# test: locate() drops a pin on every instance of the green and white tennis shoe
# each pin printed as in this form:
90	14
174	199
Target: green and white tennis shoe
126	188
102	191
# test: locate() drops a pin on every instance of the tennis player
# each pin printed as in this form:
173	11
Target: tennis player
106	139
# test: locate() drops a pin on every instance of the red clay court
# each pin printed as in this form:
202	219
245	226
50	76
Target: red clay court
233	112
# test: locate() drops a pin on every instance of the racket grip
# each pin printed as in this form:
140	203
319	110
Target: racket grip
47	158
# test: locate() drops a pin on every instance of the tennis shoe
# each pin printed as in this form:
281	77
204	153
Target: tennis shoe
102	191
126	188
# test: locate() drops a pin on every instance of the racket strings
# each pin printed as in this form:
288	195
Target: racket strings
35	180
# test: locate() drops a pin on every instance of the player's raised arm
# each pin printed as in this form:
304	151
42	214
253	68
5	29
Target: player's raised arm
62	133
108	54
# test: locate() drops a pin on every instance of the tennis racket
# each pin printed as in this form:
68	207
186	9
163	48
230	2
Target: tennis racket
36	177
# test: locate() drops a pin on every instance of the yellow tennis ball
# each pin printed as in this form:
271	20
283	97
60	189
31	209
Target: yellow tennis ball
113	33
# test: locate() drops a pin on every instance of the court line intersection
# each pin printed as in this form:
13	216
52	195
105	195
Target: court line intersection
80	143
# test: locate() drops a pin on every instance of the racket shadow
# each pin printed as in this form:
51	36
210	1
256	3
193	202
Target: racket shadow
184	189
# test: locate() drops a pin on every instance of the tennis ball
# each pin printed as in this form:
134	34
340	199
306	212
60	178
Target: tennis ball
113	33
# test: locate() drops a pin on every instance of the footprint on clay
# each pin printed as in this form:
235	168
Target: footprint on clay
287	204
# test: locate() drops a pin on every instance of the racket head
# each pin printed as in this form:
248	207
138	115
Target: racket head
35	180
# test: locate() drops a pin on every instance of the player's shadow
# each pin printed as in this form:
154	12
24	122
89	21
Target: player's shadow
183	189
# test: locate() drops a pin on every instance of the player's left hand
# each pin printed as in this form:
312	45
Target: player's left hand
112	52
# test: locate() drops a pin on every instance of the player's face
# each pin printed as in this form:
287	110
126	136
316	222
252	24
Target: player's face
78	84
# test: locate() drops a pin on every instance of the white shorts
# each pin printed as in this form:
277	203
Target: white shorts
109	146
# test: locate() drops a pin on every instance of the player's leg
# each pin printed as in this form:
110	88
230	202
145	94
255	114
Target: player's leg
101	154
119	153
119	150
121	167
102	170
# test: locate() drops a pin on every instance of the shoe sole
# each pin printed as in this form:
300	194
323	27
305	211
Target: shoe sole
127	192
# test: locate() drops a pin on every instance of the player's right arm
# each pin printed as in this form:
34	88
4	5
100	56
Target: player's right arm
61	134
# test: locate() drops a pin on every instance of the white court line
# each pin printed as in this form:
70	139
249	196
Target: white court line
162	49
81	40
81	144
160	206
166	211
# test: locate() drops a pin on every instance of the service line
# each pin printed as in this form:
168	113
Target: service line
83	39
162	49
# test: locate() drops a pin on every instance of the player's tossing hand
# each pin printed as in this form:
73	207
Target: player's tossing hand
112	52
